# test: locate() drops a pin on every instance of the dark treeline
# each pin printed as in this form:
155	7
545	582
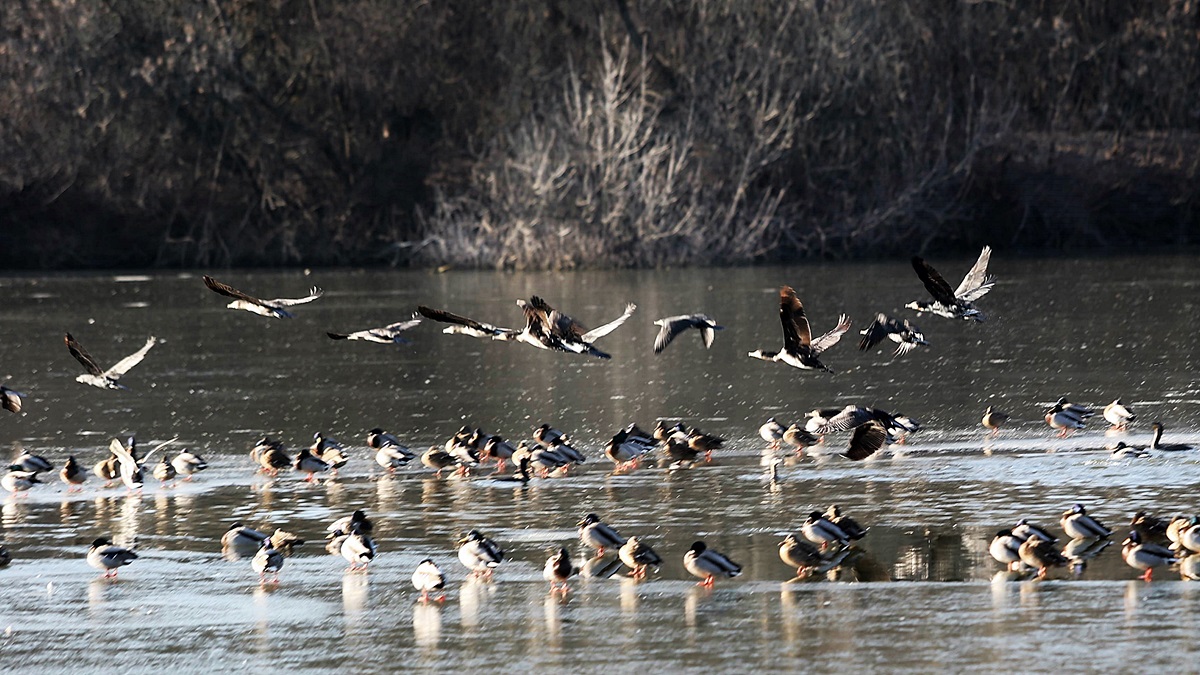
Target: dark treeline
566	133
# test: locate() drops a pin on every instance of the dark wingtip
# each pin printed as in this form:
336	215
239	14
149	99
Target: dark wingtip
337	336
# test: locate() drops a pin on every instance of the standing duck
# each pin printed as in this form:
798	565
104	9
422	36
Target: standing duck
1118	415
479	554
309	463
558	569
1079	525
270	308
271	455
637	556
798	438
799	349
72	474
187	463
163	471
1006	548
1157	444
268	560
389	453
437	459
625	449
820	530
994	419
17	480
1041	555
1026	530
31	462
772	432
357	520
904	333
329	451
597	534
798	553
1067	417
959	303
674	325
1145	555
103	555
427	577
358	548
853	530
706	563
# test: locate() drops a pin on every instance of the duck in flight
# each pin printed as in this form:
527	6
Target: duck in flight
959	303
904	333
273	308
672	326
386	335
799	349
105	379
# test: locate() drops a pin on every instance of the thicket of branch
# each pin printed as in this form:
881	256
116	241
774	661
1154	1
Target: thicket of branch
566	133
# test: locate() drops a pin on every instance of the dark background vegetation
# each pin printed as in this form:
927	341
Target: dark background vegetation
568	133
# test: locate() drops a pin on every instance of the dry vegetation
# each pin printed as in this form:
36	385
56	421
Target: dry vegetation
567	133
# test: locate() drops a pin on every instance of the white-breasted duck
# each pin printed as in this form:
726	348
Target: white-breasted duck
268	560
1079	525
820	530
329	451
479	554
103	555
1118	415
1006	548
98	377
356	520
599	535
10	399
1157	444
799	349
546	433
31	462
309	463
558	569
905	334
384	335
428	578
1025	530
1067	417
1144	555
993	420
707	564
129	468
187	463
672	326
18	480
626	449
358	548
271	308
959	303
1122	450
772	432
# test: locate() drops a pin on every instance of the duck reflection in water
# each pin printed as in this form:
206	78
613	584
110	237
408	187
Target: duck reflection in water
427	624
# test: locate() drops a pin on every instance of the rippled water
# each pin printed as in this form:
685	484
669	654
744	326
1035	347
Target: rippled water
1091	330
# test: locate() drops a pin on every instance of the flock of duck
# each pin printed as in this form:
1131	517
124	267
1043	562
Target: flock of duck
826	539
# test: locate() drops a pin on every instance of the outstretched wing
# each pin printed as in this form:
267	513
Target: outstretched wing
121	367
671	326
977	283
831	338
448	317
117	448
600	331
866	441
313	294
877	331
402	325
934	283
82	356
850	417
229	291
795	324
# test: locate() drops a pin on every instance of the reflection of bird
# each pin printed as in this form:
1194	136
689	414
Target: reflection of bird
706	563
772	432
993	419
103	555
598	534
105	379
1041	554
1157	444
1145	555
905	334
10	399
386	335
798	553
272	308
427	577
959	303
558	570
268	560
674	325
637	556
799	349
479	554
1079	525
1118	415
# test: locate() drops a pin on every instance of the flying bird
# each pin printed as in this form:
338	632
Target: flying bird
799	349
959	303
548	328
672	326
273	308
10	399
905	334
387	335
106	379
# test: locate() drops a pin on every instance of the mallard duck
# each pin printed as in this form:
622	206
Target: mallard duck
680	453
108	469
597	534
1079	525
672	326
309	463
479	554
355	521
1148	525
548	328
558	569
329	451
271	455
1122	451
31	462
1025	530
18	480
1041	554
103	555
357	548
271	308
625	449
1189	568
187	463
285	541
772	432
498	449
1174	530
1118	415
1157	444
637	556
334	541
905	334
562	445
1067	417
389	452
105	379
545	433
849	526
10	399
1006	548
706	563
798	553
385	335
959	303
994	419
268	560
72	474
1144	555
427	577
163	471
700	441
798	438
820	530
1189	535
242	539
437	459
545	460
799	349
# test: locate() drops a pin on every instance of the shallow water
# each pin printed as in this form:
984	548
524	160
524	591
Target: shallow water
1091	330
